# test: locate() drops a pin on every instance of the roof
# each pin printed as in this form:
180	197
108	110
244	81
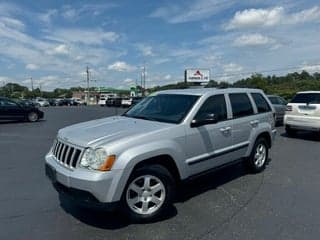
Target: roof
309	92
205	91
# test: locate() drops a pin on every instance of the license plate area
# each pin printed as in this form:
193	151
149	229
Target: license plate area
51	173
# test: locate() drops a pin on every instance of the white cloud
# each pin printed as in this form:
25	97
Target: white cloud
145	50
122	67
311	68
308	15
271	17
83	36
47	16
61	49
31	66
256	17
188	12
167	77
232	68
12	22
251	40
73	13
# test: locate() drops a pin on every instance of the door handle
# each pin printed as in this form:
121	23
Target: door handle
225	129
254	123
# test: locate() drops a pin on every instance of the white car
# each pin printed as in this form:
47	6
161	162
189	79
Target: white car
42	102
303	112
126	102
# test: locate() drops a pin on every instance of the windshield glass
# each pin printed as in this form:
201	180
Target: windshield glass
171	108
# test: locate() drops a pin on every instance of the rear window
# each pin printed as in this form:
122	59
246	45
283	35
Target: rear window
261	103
307	98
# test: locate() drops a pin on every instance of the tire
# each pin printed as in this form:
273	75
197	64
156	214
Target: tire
259	156
290	131
140	203
32	117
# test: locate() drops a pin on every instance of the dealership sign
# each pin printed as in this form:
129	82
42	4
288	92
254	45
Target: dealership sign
197	75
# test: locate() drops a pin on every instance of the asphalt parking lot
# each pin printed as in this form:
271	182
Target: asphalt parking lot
280	203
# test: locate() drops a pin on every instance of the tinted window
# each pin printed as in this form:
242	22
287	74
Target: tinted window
216	105
6	103
274	100
307	98
261	103
171	108
241	105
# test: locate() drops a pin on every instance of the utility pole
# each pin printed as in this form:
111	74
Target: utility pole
143	79
31	84
88	94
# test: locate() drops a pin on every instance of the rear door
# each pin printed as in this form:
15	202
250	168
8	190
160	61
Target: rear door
244	121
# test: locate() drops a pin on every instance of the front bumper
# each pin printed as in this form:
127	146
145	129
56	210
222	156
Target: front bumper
102	186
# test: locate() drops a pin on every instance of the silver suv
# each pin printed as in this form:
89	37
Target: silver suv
137	159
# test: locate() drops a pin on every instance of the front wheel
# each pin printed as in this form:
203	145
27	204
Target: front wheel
149	193
33	117
259	156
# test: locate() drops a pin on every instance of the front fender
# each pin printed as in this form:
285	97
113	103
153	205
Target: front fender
131	157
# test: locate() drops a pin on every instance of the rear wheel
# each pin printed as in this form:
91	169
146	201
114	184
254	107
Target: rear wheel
259	156
33	117
148	194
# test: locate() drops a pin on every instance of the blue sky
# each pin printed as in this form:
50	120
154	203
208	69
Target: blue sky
53	41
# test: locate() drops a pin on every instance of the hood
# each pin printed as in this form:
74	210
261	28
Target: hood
105	130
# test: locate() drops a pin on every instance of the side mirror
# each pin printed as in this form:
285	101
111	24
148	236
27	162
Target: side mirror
204	120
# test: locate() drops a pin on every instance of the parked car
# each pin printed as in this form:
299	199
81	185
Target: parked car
103	98
126	102
280	106
303	112
67	102
42	102
79	101
137	159
23	111
53	102
114	102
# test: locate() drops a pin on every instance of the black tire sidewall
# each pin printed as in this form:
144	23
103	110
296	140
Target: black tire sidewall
164	175
28	117
253	167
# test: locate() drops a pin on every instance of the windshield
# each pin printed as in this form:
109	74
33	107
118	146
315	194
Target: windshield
171	108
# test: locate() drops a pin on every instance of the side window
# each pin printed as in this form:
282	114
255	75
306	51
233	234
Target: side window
6	103
241	105
216	105
261	103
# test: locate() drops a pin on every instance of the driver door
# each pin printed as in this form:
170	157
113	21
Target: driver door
10	110
208	144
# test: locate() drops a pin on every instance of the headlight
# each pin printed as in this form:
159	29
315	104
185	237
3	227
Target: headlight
97	159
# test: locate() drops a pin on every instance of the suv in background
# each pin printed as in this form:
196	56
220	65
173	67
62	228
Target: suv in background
136	160
280	106
303	112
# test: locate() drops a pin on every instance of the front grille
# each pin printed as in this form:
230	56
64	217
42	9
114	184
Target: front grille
66	154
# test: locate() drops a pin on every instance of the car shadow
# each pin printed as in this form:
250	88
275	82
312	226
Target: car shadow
210	181
304	135
104	219
185	191
6	122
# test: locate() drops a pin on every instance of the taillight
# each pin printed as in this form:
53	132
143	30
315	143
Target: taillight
289	108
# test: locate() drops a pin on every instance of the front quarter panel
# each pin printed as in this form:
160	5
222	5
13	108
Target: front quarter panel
130	158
